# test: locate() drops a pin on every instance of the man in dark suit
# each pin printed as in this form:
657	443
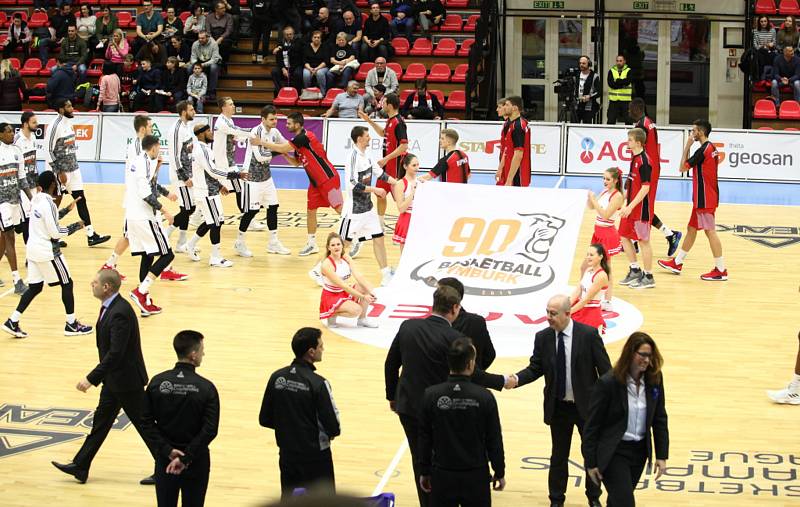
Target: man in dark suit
121	370
568	385
420	348
472	326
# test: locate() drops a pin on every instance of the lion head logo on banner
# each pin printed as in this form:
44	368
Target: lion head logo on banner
543	229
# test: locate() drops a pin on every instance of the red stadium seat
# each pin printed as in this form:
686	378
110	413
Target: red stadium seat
38	20
765	110
330	96
40	98
791	129
3	38
400	46
14	63
789	8
414	71
184	16
95	68
439	95
24	15
464	49
3	19
309	103
387	16
765	128
445	47
32	67
790	110
404	95
765	7
456	101
471	23
457	4
396	67
422	47
362	4
440	73
125	19
452	23
130	2
363	70
287	96
109	2
364	18
460	74
761	86
46	69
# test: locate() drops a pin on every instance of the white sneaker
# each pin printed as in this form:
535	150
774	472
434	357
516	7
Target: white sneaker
332	322
241	249
256	225
191	252
276	247
220	262
316	275
310	248
606	306
788	396
367	322
196	219
355	248
386	278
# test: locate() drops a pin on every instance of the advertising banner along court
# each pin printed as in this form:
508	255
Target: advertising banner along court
86	126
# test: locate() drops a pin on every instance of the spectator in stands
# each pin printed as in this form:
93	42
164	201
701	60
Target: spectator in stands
422	104
182	52
196	87
19	37
87	26
234	9
147	82
324	25
315	67
260	27
788	36
41	5
429	13
104	29
786	72
337	8
178	5
74	51
620	92
63	20
403	22
172	25
351	26
343	62
110	90
383	75
219	24
765	42
206	52
12	88
149	26
128	75
289	60
286	13
173	86
376	36
154	52
61	84
117	49
195	23
347	104
46	36
308	13
374	105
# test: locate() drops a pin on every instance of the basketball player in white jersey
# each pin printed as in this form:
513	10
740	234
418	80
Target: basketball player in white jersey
13	181
180	140
25	140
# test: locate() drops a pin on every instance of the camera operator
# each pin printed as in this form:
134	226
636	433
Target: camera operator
587	91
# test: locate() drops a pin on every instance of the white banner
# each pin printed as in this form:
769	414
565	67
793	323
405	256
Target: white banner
481	142
86	126
757	154
511	257
118	133
423	141
593	149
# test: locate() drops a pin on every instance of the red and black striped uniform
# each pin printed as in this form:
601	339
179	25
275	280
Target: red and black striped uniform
517	137
653	150
394	134
453	167
638	176
705	187
323	180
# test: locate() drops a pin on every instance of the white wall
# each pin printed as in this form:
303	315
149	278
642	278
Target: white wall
726	96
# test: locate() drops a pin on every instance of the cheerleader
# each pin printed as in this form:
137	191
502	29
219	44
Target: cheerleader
588	294
607	205
403	193
339	297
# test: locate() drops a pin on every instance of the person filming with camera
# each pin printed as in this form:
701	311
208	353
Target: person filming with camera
587	92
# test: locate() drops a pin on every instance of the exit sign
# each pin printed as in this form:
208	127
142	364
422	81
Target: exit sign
686	7
548	4
641	6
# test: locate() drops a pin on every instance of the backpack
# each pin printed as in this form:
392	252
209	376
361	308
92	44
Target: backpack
748	64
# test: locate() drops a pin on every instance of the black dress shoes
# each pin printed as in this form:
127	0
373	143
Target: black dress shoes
72	469
148	481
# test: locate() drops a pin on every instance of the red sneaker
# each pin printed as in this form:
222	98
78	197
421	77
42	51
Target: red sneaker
715	275
141	300
172	275
121	276
152	309
671	265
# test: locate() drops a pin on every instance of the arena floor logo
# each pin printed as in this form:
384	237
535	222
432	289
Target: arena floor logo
770	236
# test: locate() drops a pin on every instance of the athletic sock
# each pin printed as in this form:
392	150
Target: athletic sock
112	261
273	235
144	287
70	318
241	235
15	276
719	262
15	316
215	251
312	239
193	242
170	230
795	380
665	230
635	266
181	237
89	230
386	271
681	256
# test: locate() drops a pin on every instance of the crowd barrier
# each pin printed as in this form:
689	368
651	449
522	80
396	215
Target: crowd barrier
556	148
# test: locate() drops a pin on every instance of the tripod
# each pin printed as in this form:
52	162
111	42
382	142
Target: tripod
566	111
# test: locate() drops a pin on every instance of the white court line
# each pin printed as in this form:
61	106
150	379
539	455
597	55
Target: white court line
387	474
6	293
560	181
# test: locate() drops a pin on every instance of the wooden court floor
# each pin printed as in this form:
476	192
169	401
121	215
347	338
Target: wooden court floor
724	344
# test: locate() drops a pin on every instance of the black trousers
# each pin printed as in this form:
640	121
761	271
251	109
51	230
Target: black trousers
464	488
584	116
618	110
411	429
565	418
104	417
192	483
307	472
623	472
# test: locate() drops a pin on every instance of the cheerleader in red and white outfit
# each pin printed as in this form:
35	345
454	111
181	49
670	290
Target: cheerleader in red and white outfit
607	205
339	297
588	294
403	193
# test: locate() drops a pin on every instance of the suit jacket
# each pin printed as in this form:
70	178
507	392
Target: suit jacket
588	360
608	420
473	326
119	346
420	348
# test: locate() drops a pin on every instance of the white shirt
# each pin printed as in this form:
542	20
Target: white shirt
139	176
203	166
359	168
637	411
42	228
261	153
225	132
570	396
180	138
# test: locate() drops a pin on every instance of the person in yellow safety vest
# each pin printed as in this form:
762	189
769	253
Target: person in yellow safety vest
620	92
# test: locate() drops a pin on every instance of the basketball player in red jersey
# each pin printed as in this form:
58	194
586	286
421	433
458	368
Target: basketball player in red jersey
323	180
705	199
636	109
395	145
454	166
501	113
516	147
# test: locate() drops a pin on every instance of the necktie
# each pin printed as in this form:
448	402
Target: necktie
561	368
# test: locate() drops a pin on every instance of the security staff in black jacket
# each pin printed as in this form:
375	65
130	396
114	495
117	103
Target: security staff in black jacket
459	430
420	349
472	326
181	412
298	405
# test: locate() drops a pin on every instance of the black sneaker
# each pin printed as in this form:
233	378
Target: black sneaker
76	329
62	244
96	239
13	329
674	240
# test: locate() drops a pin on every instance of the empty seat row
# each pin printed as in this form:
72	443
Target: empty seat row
765	110
424	47
288	97
439	73
452	22
785	7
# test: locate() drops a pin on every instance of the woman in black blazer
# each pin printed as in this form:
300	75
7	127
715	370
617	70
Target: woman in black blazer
626	404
